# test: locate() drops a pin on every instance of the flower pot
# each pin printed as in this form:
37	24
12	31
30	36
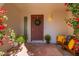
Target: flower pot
47	38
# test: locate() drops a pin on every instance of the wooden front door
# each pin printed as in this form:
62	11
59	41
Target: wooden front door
37	23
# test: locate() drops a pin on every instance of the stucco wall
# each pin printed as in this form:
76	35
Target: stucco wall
53	27
14	18
1	4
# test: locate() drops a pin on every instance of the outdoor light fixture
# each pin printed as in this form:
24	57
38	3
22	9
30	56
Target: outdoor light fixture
50	18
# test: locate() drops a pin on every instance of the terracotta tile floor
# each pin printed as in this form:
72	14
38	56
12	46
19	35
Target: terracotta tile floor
44	50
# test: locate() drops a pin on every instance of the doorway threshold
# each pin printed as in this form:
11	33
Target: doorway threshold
37	41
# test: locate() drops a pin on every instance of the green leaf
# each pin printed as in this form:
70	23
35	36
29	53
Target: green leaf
75	23
20	39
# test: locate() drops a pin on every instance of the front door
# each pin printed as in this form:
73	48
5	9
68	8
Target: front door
37	27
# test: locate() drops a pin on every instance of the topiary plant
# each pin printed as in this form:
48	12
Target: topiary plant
20	39
47	38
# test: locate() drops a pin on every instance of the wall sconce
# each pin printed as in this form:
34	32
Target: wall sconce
50	18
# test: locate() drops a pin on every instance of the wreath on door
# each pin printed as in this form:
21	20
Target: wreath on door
37	22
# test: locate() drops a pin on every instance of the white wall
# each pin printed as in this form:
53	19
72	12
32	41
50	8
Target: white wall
53	27
56	26
14	18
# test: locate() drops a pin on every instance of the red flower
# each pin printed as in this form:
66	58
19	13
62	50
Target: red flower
77	19
76	41
1	20
77	26
2	27
2	11
65	4
73	47
10	42
4	39
1	43
70	25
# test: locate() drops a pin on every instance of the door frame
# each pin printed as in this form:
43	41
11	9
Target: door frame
42	28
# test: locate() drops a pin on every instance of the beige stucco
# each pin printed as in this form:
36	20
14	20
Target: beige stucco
54	15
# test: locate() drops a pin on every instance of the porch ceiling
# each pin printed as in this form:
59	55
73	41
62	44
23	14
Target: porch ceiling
43	6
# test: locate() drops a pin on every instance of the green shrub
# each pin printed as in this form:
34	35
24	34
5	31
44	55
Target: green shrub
21	39
47	38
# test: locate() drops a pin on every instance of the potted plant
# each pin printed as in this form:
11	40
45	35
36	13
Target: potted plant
47	38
